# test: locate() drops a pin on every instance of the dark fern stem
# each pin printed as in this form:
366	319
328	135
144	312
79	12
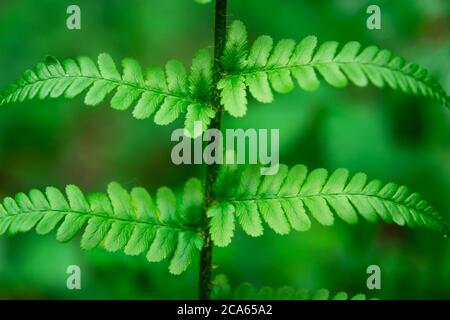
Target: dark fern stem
205	278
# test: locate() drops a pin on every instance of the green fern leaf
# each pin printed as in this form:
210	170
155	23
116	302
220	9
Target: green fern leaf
222	223
233	95
266	67
201	88
235	52
167	94
221	288
289	199
115	221
246	291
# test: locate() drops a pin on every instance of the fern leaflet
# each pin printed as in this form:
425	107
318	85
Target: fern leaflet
165	93
246	291
288	199
118	220
265	67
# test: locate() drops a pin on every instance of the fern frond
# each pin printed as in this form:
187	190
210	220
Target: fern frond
166	93
265	67
247	291
118	220
288	200
221	290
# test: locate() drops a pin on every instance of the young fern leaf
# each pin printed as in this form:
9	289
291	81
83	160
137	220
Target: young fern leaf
165	93
288	200
114	221
246	291
267	66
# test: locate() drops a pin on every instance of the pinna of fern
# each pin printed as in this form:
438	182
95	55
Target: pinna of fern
262	69
222	291
266	67
292	198
166	94
246	291
118	220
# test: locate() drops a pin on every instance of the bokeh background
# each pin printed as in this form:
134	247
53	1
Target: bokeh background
384	133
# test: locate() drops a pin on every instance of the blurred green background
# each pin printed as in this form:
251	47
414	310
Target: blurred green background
384	133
